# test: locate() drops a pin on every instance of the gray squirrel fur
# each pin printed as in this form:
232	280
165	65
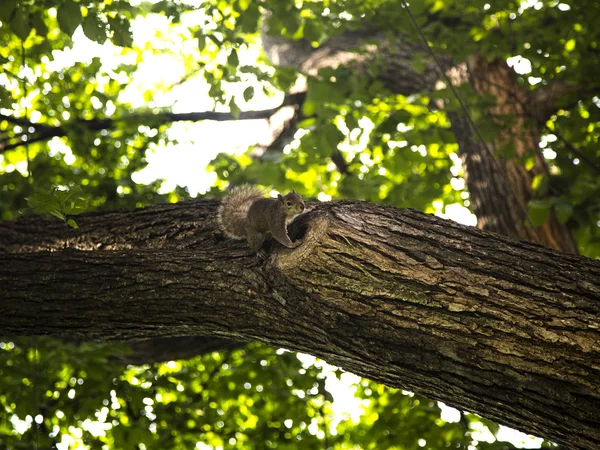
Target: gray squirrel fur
247	214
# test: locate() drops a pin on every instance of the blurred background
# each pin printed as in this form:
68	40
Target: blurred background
115	104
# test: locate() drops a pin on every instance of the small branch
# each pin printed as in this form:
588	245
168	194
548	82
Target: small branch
282	128
47	132
186	77
283	133
45	135
21	121
340	162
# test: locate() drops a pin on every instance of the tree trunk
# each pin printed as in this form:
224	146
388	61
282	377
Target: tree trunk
501	189
506	329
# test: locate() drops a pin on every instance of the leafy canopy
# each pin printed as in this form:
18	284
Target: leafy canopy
75	131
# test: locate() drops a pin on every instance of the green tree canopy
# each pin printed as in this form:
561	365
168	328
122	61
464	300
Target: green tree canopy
383	125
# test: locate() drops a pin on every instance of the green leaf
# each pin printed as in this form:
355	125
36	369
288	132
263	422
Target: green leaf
418	65
75	204
59	203
201	40
166	7
159	6
93	28
563	209
121	28
6	99
309	108
58	214
20	23
540	183
285	77
529	162
506	151
291	22
418	7
72	224
215	39
390	125
248	21
248	93
234	109
6	12
69	17
233	59
313	31
492	426
539	211
42	203
332	136
41	29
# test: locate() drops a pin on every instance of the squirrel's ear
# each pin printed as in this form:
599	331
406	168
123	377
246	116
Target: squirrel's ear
280	197
293	191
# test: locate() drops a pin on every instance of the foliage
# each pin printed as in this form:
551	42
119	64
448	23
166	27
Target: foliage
70	120
251	398
60	203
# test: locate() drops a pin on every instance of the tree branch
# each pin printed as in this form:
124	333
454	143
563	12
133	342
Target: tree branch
503	328
172	348
47	132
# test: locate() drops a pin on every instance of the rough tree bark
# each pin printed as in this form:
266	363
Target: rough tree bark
148	351
500	190
507	329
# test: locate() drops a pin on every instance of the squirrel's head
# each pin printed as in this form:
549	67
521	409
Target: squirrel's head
292	203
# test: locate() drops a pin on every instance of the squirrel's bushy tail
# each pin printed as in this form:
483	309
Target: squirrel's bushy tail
234	209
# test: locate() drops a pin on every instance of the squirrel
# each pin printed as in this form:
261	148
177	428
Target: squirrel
247	214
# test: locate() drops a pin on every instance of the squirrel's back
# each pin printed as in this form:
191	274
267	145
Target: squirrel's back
233	210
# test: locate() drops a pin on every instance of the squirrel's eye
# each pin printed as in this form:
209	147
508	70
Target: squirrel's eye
289	204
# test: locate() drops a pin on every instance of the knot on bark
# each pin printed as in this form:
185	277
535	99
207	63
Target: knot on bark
311	228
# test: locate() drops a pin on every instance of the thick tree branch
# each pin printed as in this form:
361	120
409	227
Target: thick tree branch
178	226
172	348
45	132
503	328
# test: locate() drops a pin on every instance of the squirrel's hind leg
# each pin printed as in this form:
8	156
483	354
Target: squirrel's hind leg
255	240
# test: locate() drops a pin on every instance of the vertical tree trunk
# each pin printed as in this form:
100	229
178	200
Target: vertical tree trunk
501	189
